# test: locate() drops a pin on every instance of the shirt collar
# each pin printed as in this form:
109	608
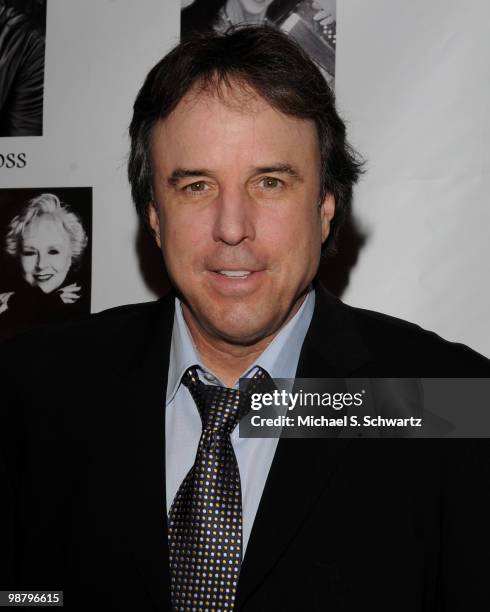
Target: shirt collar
279	359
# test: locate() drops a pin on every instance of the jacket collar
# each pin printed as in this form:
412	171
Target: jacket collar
140	349
301	468
333	345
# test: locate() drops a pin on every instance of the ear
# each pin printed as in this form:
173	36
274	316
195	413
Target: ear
154	221
327	212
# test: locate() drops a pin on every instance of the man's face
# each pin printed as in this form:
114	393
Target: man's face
236	212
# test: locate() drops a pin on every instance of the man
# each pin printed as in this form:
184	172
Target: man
125	484
22	50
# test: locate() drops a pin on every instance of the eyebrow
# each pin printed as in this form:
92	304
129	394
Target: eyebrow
280	168
180	173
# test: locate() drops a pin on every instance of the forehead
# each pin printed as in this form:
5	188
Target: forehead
234	124
45	230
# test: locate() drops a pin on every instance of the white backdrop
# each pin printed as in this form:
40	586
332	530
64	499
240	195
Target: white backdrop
413	83
413	80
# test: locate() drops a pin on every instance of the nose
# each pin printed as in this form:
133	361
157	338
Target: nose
234	220
40	262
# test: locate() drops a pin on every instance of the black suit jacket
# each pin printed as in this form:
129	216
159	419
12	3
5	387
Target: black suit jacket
343	524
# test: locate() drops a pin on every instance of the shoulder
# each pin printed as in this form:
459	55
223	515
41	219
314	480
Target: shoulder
402	343
378	345
89	338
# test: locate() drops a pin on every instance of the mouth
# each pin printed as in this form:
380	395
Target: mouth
235	281
242	274
43	277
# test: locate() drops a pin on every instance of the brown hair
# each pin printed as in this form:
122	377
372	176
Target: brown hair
277	69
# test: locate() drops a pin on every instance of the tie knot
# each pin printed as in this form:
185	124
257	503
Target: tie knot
221	408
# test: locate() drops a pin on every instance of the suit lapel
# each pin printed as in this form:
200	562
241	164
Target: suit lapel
142	386
301	468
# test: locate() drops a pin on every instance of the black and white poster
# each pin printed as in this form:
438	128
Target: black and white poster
22	55
45	256
313	23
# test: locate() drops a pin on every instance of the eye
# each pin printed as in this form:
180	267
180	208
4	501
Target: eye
197	187
27	253
53	252
270	183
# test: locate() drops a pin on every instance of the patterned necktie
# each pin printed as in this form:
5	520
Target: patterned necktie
205	520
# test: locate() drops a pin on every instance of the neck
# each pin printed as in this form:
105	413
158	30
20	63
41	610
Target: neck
228	361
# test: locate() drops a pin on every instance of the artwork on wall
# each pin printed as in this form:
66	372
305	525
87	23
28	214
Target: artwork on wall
22	51
45	256
313	23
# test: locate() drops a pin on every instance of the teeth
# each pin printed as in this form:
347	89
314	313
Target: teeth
235	273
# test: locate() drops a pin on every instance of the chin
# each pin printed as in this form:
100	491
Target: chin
235	321
241	329
241	337
49	288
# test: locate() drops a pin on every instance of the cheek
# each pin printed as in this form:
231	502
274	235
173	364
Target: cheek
27	264
61	263
184	238
295	232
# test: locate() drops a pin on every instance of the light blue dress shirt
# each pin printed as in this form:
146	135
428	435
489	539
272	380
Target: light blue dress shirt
183	424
